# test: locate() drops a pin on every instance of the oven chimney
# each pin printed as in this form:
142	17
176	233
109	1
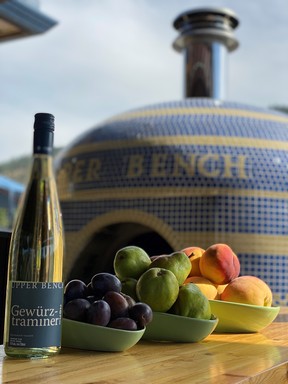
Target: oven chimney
206	36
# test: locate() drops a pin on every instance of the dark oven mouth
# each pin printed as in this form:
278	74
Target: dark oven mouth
99	252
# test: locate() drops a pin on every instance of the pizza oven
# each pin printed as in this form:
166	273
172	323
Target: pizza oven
196	171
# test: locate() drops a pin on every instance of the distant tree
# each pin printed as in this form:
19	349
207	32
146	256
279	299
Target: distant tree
280	108
18	168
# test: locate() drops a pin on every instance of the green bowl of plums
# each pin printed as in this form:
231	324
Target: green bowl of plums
99	317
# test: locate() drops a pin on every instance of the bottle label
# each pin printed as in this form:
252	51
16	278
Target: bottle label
35	314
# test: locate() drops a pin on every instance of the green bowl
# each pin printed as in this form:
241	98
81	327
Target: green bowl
242	318
97	338
168	327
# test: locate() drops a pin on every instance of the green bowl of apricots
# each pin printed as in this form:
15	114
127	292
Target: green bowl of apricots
242	304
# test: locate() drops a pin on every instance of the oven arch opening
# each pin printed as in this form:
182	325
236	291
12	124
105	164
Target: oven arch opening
98	254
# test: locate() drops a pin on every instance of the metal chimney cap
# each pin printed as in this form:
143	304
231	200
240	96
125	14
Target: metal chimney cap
211	23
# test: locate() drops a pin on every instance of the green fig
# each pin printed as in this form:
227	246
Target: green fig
176	262
131	261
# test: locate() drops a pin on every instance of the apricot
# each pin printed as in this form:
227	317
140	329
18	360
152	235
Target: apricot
219	264
194	254
205	286
220	288
248	290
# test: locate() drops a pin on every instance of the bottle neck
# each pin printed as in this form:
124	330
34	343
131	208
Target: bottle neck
43	146
43	142
43	134
42	166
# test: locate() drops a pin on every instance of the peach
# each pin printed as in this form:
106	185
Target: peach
205	286
248	290
219	264
194	254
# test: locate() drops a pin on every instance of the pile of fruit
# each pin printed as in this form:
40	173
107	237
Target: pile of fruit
101	302
181	283
159	282
216	271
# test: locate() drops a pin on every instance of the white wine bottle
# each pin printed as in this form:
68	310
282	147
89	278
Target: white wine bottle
34	297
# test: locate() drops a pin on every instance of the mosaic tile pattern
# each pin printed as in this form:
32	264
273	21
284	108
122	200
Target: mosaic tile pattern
200	167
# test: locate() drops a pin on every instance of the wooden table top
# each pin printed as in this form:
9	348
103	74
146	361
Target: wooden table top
219	359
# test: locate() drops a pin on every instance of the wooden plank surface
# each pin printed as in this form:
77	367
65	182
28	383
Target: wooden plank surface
258	358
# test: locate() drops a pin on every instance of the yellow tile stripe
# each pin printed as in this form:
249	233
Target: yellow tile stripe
223	141
187	139
242	242
200	111
162	192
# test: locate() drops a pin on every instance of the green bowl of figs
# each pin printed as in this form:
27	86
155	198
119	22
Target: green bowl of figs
182	329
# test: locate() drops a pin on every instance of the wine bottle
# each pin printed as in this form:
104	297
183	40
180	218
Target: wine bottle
34	296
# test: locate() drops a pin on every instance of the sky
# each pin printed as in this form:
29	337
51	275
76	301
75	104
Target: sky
105	57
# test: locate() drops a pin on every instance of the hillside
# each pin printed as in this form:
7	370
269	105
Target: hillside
18	169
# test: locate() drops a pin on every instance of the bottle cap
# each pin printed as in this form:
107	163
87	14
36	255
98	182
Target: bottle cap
44	121
43	133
